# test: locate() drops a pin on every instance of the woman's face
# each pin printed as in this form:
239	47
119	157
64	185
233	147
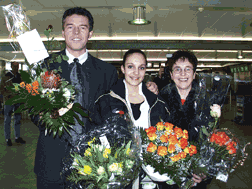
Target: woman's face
134	70
182	74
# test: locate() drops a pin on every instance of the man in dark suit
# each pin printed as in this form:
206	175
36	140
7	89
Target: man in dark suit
91	77
95	78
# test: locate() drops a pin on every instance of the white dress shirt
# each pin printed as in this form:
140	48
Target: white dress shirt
82	58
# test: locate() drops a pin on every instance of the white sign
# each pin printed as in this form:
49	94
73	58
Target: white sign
32	46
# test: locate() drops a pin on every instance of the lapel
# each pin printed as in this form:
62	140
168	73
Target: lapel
92	81
65	68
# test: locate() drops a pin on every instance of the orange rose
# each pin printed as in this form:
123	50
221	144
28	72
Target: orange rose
213	137
152	135
151	148
171	148
182	155
172	139
183	143
150	129
187	150
167	124
232	151
185	134
160	126
168	128
164	138
162	151
178	131
194	150
175	158
22	84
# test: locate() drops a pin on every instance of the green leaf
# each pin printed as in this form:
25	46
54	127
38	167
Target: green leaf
65	57
25	76
47	33
204	130
79	109
59	60
59	69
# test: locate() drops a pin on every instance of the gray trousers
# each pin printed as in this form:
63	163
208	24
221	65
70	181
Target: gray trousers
8	109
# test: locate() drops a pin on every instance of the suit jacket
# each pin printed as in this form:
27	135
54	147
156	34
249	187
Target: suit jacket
100	77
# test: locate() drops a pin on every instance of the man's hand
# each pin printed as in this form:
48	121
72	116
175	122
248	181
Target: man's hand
152	87
62	111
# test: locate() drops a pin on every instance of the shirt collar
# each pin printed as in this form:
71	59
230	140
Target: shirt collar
82	58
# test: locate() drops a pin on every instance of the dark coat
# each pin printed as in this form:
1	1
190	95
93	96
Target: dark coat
115	100
195	111
101	76
7	81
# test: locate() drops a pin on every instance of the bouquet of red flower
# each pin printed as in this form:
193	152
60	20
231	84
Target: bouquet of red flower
166	152
43	92
219	154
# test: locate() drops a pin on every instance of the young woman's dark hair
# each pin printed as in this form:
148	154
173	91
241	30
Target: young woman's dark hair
183	54
132	51
79	11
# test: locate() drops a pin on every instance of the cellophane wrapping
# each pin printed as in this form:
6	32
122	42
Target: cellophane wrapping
119	130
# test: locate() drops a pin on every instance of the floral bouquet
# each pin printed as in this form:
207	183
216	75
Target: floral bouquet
106	157
219	154
166	152
43	92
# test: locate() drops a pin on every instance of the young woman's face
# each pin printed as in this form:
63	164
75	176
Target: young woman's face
135	68
182	74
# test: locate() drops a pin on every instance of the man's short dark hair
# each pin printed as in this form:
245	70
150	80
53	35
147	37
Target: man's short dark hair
132	51
183	54
78	11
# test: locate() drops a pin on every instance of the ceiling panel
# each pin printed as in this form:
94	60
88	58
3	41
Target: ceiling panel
174	25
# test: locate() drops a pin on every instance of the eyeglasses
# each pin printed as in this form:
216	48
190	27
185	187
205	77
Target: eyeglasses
178	70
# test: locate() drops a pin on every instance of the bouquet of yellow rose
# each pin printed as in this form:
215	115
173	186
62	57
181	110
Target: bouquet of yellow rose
107	156
101	166
166	151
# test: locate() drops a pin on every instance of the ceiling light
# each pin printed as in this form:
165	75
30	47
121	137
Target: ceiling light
139	16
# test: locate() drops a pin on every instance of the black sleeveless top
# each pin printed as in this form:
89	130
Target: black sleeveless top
136	110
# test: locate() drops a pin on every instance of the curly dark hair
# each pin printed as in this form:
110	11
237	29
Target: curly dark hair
183	54
78	11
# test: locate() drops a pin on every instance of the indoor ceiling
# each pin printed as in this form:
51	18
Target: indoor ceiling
216	33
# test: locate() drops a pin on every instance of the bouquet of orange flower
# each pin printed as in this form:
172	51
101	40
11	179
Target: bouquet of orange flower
43	92
166	152
219	154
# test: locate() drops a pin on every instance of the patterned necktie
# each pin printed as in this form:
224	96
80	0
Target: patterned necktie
77	83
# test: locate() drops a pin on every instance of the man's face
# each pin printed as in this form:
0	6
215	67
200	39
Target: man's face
184	79
76	33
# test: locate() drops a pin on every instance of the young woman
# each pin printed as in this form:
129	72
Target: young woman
131	95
